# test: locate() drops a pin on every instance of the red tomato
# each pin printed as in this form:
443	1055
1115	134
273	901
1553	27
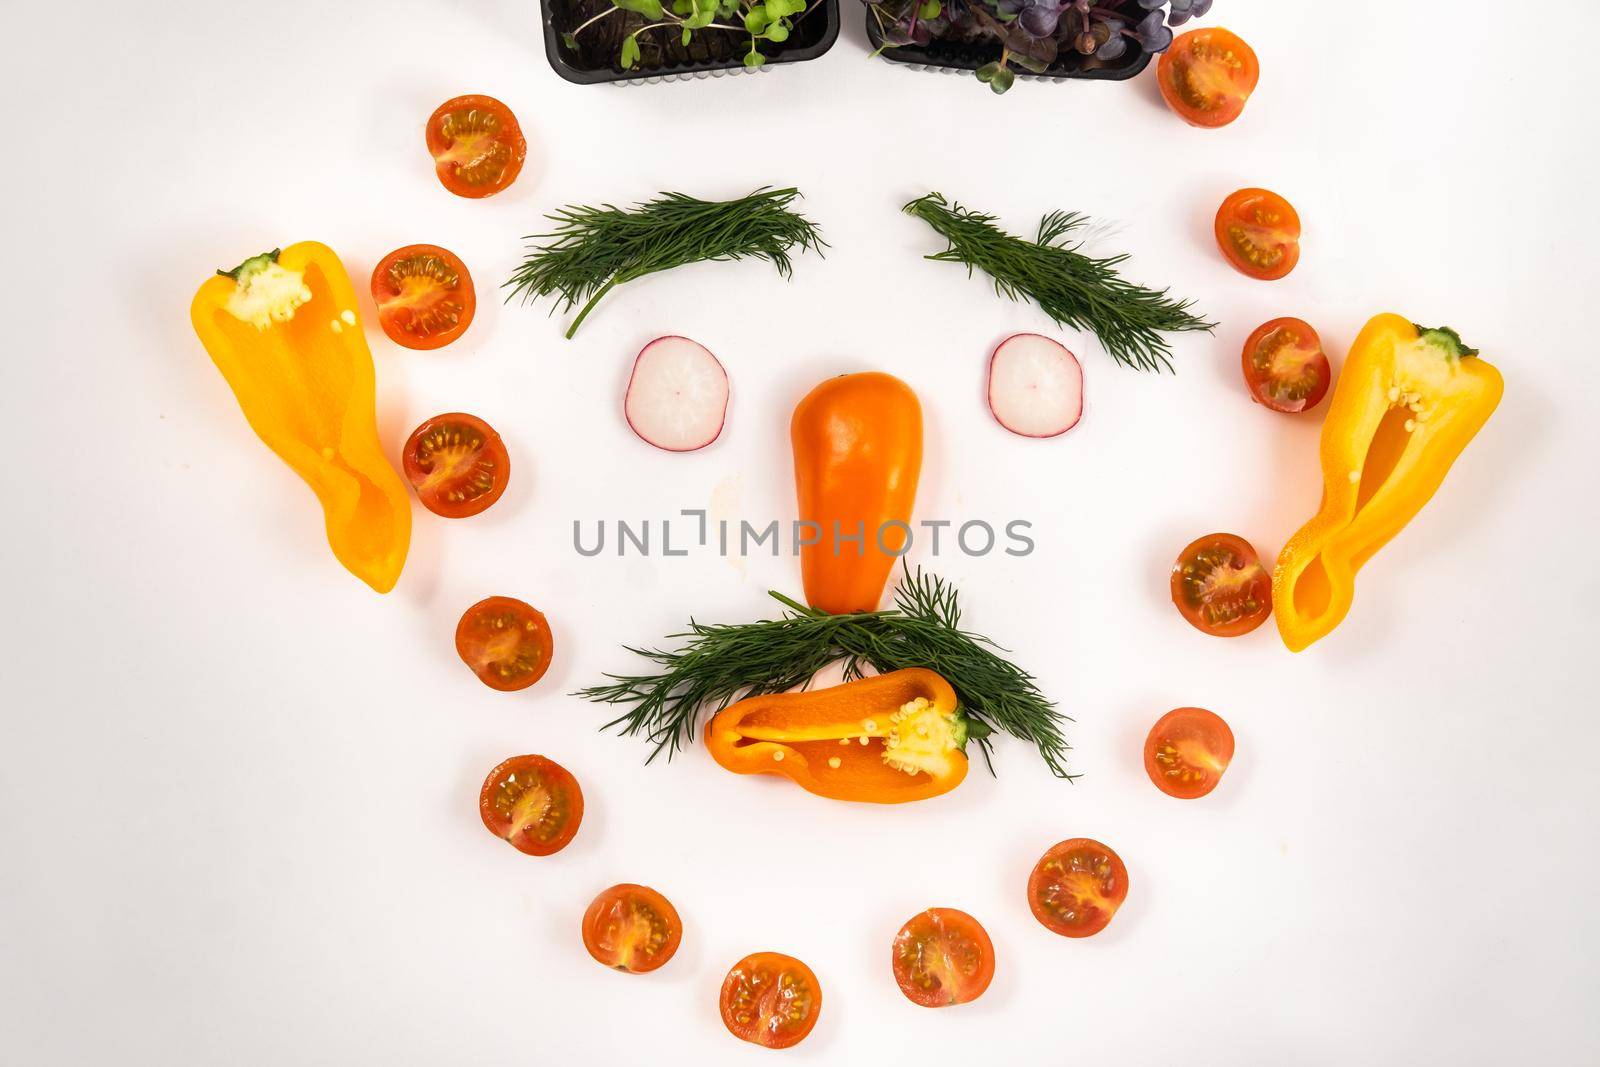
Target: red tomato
942	956
1285	367
1076	887
1220	586
1259	233
1187	751
632	928
424	296
476	144
506	642
1207	75
532	802
457	464
770	999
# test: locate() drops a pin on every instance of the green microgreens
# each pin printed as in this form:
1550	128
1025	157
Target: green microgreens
760	20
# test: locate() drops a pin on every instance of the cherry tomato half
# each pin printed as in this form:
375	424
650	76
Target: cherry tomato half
1207	75
1285	367
476	144
1220	586
632	928
1187	751
424	296
771	1000
1076	887
533	803
506	642
1259	233
942	956
457	464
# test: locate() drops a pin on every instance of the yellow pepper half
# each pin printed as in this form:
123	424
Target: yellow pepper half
284	331
1408	401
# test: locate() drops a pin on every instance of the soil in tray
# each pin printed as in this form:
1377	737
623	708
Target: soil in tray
599	45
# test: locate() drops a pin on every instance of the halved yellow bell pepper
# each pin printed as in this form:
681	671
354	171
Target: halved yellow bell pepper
1408	401
284	330
885	739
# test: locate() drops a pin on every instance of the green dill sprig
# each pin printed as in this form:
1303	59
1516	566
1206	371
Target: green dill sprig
1073	288
722	663
594	249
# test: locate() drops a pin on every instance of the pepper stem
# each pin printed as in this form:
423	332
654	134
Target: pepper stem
1443	337
251	265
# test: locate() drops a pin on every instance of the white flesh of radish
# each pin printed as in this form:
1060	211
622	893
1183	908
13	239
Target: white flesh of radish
1035	386
678	395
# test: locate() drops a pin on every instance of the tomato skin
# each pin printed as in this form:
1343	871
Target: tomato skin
1258	232
1187	751
457	464
941	957
533	803
1207	75
424	296
770	999
1285	367
476	144
1220	586
506	641
632	928
1076	887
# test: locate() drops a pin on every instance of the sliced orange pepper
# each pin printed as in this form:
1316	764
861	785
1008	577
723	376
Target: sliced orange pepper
885	739
1407	403
857	456
284	330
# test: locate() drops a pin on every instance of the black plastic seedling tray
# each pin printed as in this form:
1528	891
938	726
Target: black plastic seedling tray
662	56
965	56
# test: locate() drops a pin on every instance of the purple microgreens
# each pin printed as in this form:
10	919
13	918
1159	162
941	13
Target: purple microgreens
1033	36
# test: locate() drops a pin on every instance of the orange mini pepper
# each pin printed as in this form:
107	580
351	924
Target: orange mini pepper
885	739
1407	403
857	456
284	330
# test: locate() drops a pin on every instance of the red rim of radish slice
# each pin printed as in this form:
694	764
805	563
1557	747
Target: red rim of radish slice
1035	386
677	397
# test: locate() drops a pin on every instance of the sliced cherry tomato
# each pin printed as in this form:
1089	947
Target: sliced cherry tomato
458	465
1187	751
1207	75
771	1000
1259	233
943	956
632	928
1285	367
506	642
424	296
1076	887
532	802
476	144
1220	586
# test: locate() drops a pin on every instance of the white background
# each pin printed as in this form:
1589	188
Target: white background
238	790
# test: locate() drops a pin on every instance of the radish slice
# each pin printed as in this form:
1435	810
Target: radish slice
678	395
1035	386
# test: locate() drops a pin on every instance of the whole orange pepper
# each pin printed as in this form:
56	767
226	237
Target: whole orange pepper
886	739
857	456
